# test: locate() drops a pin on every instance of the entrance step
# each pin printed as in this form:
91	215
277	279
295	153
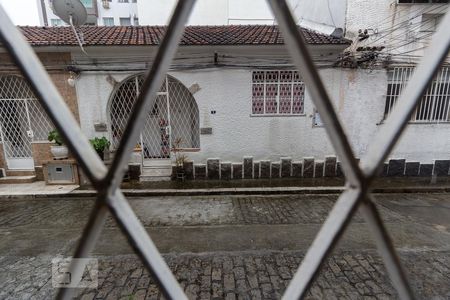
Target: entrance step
19	172
157	163
18	179
160	170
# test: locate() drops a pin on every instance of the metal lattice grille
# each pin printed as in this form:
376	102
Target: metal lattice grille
277	93
121	106
174	116
435	103
359	179
184	116
22	118
14	122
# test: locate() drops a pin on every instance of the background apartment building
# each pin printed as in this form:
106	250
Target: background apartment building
100	12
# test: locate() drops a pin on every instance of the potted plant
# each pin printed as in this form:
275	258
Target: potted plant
100	145
59	151
180	159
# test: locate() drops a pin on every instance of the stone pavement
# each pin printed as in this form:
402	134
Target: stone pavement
228	247
34	188
246	275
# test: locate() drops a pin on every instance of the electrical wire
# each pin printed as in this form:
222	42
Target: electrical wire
402	24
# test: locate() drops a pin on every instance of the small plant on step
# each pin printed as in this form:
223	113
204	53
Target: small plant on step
59	151
180	158
55	137
100	145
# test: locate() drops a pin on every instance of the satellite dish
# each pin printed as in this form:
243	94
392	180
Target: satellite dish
72	12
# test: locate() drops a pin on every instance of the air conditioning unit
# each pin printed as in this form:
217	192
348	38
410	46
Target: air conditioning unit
105	4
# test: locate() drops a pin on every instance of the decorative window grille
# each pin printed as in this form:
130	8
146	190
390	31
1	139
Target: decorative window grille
277	93
173	119
434	105
19	108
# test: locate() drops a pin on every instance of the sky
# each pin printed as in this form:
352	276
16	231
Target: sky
22	12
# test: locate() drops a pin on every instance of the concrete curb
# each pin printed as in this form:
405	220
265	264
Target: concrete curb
223	191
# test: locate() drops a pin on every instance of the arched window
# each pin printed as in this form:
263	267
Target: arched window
173	121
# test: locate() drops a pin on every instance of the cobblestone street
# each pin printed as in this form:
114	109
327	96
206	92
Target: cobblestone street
239	263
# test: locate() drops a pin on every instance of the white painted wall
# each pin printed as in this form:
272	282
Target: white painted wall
358	96
320	15
208	12
249	12
117	10
205	12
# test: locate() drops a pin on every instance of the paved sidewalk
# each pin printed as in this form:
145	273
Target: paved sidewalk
35	188
38	190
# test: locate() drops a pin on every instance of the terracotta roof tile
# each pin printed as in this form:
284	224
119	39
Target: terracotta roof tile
152	35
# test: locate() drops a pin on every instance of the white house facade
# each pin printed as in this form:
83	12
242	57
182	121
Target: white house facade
234	106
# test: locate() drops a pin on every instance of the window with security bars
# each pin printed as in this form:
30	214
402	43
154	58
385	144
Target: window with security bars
21	115
434	105
277	93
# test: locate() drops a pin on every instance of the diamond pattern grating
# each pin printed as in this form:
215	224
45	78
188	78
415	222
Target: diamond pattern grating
173	120
22	118
359	179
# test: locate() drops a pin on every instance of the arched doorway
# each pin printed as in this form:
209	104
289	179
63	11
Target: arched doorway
22	121
174	118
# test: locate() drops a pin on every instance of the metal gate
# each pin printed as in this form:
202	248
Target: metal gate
359	177
173	119
22	120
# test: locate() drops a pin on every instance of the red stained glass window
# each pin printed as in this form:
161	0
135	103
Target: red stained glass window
277	93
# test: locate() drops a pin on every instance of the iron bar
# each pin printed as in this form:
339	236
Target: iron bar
386	248
147	97
299	52
87	242
327	237
142	244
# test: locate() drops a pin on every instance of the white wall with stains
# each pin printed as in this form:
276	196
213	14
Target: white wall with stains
358	96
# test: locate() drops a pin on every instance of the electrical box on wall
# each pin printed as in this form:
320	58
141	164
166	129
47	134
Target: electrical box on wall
61	172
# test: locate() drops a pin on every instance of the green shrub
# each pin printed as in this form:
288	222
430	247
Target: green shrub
100	144
55	137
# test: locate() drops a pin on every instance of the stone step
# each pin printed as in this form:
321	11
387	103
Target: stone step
157	163
18	179
157	172
20	172
144	178
157	168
